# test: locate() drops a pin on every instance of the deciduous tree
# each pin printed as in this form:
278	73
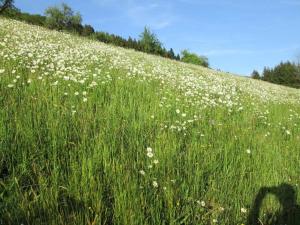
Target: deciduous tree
193	58
63	18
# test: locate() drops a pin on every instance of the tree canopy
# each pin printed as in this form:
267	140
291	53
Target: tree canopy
255	75
62	17
193	58
150	42
286	73
5	4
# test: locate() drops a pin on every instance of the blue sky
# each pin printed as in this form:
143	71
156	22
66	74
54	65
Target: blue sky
237	36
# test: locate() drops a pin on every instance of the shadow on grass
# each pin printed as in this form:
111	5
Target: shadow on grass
290	210
69	211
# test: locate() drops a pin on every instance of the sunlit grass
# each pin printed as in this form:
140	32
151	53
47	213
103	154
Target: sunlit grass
93	134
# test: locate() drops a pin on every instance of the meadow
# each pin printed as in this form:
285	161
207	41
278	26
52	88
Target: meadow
96	134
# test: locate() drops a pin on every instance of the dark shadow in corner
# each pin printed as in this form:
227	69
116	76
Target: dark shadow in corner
70	209
290	210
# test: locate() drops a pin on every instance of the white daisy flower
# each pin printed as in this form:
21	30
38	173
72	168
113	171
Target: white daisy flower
150	154
155	184
243	210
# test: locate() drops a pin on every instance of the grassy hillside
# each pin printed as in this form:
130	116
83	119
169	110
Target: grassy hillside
94	134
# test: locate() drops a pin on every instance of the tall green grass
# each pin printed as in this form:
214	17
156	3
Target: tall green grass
66	161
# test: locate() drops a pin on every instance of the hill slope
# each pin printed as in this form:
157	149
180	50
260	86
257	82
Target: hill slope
95	134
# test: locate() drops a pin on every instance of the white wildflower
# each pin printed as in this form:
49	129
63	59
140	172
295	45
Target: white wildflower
243	210
149	149
202	203
150	154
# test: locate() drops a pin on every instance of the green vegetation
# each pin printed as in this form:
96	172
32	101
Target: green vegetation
63	18
5	4
193	58
149	41
287	74
93	134
255	75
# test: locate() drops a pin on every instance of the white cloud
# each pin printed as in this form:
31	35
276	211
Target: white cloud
155	14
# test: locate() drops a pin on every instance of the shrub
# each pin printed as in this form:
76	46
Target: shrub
193	58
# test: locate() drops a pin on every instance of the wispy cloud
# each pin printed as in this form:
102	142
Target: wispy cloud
155	14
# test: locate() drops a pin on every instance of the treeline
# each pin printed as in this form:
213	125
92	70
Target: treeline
63	18
286	73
